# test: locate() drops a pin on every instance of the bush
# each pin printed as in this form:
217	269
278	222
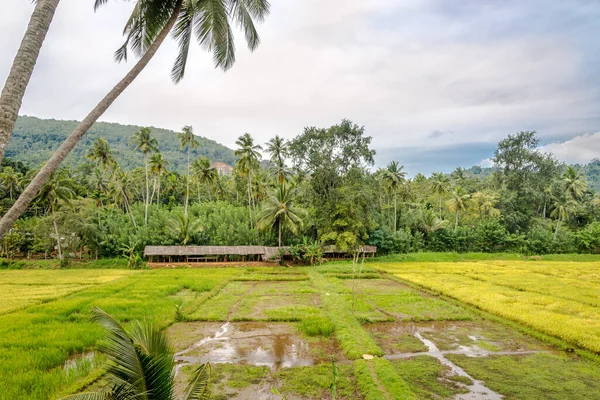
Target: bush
587	240
389	242
490	236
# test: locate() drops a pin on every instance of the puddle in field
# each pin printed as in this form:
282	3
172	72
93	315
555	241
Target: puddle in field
440	338
274	345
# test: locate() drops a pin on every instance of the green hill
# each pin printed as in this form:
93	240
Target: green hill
35	139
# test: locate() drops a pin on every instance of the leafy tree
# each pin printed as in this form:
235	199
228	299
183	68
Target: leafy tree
183	228
146	29
188	140
22	68
142	365
279	211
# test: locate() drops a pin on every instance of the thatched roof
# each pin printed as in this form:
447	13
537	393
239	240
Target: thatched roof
265	251
206	250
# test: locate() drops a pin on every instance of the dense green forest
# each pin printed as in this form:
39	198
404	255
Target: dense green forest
34	140
318	188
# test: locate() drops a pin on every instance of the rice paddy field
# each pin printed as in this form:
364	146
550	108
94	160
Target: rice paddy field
486	329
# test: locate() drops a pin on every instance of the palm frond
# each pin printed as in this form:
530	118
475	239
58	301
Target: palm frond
89	396
183	35
244	21
259	9
213	32
198	388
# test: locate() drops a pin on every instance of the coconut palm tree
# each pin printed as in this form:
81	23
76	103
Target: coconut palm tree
147	28
393	178
431	222
279	211
142	365
561	212
101	154
120	186
60	187
11	180
458	203
204	173
182	227
248	159
22	69
574	182
158	168
188	139
440	184
277	148
145	144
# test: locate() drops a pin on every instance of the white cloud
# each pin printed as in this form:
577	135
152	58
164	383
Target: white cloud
578	150
403	69
486	163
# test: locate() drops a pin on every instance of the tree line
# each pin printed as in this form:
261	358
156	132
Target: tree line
318	188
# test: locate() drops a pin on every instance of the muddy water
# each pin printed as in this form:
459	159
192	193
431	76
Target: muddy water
273	345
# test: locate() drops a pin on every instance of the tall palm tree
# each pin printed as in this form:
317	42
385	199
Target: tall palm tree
561	213
277	148
188	139
248	159
22	69
279	211
60	187
145	144
147	28
393	178
440	184
158	168
458	203
142	365
204	173
120	187
574	182
12	180
101	154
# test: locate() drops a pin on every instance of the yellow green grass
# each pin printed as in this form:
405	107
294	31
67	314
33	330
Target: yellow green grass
556	298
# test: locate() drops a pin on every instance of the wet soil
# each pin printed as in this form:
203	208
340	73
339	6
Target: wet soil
274	345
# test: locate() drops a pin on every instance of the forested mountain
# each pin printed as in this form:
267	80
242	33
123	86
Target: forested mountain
35	140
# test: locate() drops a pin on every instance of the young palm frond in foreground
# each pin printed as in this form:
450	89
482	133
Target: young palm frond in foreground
142	365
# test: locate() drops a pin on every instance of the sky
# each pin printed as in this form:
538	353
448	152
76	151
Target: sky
436	83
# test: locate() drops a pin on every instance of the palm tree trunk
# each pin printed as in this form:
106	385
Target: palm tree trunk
187	182
56	232
279	232
158	192
147	193
22	69
395	210
250	202
456	221
65	148
440	205
556	230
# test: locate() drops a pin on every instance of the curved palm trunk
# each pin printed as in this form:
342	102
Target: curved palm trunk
22	68
556	230
158	191
56	232
65	148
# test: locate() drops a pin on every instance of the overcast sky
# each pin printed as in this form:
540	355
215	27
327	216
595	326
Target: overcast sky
436	82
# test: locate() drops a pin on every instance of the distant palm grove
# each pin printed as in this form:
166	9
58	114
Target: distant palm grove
317	188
